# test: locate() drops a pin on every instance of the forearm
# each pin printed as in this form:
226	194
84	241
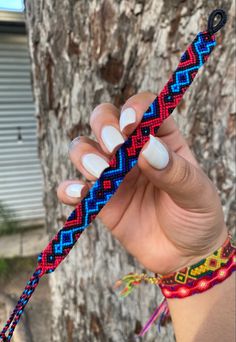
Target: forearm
209	316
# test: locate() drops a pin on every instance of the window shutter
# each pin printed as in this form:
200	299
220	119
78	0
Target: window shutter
20	171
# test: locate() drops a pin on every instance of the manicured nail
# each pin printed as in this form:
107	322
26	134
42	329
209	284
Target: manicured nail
156	153
111	137
127	117
74	190
94	164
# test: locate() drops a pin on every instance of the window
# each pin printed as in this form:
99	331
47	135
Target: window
12	5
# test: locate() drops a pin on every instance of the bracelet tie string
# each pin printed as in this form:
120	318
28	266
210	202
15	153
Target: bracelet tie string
20	306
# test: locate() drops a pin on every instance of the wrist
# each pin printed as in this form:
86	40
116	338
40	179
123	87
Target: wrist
214	269
200	276
207	249
205	314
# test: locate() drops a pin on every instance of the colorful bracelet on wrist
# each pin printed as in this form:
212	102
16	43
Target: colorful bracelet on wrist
188	281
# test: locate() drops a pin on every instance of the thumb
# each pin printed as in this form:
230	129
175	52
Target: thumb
186	184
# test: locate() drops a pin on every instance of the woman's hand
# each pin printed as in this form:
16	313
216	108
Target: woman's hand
166	212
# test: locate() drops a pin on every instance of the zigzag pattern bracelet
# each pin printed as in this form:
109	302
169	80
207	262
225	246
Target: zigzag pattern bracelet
191	280
201	276
122	162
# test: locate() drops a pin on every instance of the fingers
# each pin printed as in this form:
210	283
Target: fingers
104	122
168	131
71	192
133	110
187	185
130	117
88	157
91	158
111	129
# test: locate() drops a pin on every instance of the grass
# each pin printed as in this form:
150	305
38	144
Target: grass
10	267
8	222
3	268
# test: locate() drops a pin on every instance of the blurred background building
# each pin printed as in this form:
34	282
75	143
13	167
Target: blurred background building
21	207
20	171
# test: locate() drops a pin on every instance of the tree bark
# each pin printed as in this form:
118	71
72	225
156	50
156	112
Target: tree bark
88	52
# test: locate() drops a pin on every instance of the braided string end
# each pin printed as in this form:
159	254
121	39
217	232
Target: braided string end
161	314
132	280
20	306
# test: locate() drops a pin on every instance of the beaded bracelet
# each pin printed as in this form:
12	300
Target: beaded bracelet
188	281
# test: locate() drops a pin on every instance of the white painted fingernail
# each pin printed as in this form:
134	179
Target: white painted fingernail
127	117
74	190
111	137
156	154
94	164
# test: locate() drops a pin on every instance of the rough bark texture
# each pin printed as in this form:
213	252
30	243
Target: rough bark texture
87	52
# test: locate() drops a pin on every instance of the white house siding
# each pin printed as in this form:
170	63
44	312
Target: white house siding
20	171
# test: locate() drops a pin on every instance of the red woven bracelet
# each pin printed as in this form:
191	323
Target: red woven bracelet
191	280
201	276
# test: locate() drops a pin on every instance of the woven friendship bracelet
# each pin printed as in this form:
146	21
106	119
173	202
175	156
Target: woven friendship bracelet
201	276
120	164
191	280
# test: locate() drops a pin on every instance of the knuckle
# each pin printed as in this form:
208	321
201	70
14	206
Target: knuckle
181	176
148	94
185	173
94	113
135	99
78	144
142	94
101	107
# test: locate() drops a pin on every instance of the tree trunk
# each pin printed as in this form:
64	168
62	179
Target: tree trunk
87	52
